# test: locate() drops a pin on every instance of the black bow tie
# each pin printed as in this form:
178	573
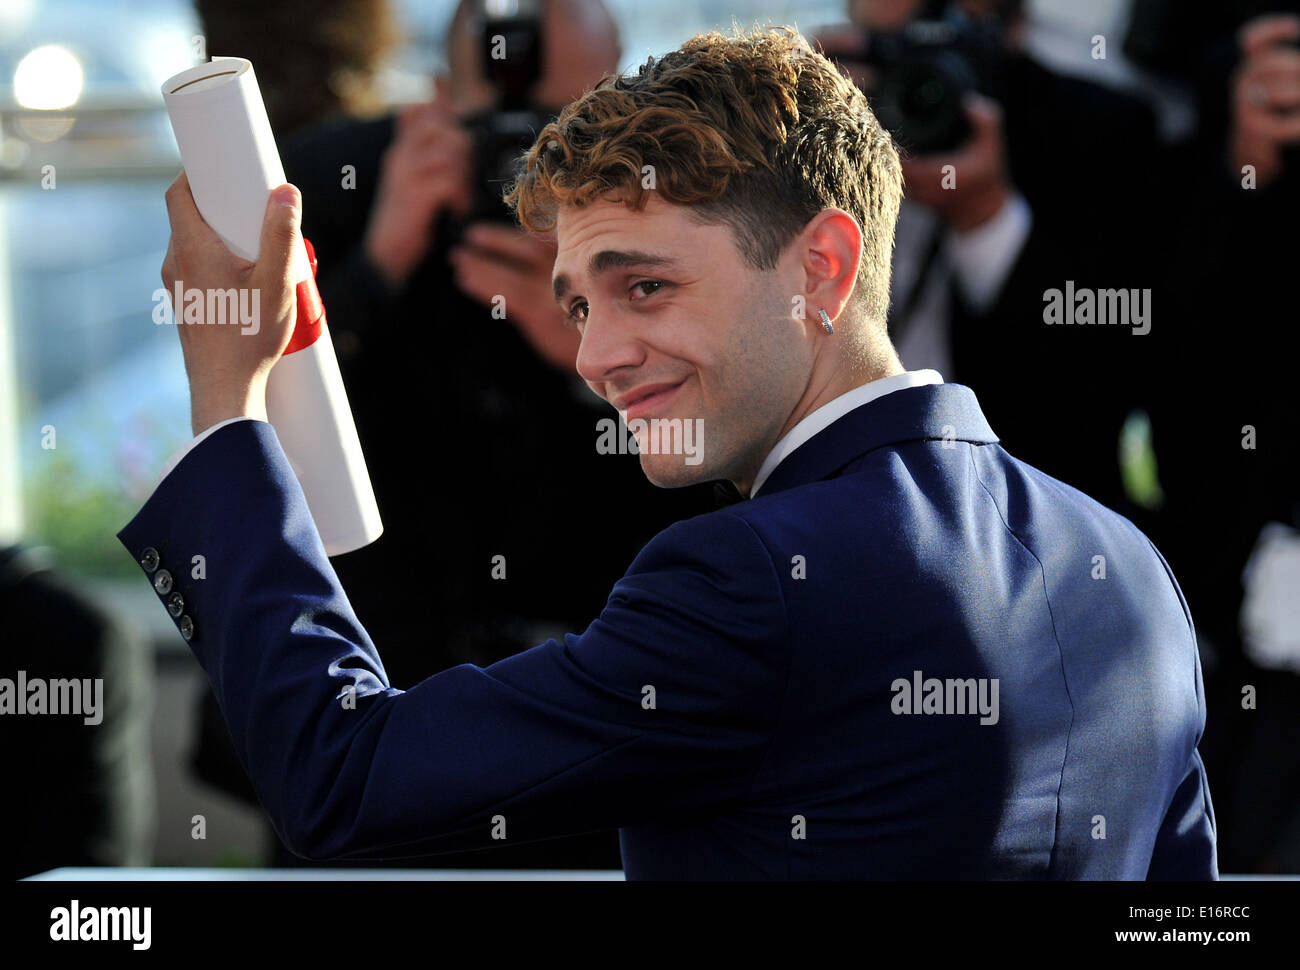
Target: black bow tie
725	493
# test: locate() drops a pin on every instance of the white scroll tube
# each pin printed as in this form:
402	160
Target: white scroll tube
230	157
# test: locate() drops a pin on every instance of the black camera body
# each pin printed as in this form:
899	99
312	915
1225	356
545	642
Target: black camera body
512	51
924	70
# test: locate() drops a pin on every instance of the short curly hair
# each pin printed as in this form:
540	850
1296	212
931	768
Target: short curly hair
754	130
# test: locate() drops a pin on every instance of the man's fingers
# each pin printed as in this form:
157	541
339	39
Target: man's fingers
1283	130
280	229
1268	31
168	270
422	130
188	227
441	107
411	114
512	244
1278	66
484	277
983	112
422	140
414	159
479	275
431	162
177	196
1282	97
986	127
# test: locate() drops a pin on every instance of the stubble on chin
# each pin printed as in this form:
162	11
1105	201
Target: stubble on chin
672	473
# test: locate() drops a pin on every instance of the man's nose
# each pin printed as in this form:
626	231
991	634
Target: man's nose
608	343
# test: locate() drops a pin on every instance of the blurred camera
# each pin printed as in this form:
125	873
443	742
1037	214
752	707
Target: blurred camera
923	71
511	41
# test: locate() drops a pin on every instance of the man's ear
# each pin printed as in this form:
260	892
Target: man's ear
831	249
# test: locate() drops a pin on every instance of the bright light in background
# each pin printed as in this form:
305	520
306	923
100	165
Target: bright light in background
15	15
48	78
164	51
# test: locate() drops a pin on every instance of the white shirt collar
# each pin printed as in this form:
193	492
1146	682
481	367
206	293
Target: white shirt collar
833	410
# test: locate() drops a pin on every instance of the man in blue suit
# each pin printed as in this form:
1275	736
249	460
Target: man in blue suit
902	654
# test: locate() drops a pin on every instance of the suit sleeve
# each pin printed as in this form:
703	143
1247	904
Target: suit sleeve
1185	848
662	708
1186	845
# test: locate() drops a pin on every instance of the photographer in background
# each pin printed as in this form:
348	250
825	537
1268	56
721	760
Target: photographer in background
1230	457
415	247
427	173
1017	180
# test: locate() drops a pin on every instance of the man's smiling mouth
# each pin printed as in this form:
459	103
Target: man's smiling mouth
640	401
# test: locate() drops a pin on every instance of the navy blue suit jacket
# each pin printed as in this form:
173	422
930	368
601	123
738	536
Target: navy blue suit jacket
757	699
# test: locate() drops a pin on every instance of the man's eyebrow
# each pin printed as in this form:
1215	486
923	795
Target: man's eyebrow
611	258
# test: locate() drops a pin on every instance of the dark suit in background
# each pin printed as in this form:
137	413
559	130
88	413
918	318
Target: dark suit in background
79	794
1226	367
1087	160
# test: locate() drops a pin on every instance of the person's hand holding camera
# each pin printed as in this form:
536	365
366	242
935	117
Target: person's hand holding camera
425	169
977	185
1266	95
501	263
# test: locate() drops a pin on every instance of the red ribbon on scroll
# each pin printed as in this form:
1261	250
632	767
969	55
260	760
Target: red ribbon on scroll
311	311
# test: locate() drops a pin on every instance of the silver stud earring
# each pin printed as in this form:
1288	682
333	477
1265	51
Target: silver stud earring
826	321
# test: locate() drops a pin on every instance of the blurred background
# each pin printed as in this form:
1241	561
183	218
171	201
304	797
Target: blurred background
1120	144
